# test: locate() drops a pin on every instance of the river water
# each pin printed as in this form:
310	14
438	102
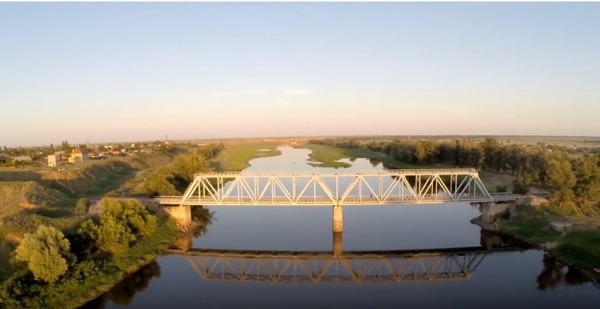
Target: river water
513	276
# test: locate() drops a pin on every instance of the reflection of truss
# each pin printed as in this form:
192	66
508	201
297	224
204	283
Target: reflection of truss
393	186
322	267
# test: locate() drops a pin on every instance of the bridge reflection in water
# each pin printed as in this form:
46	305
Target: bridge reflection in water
393	266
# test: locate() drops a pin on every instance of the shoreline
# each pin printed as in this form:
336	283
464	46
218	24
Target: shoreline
106	277
493	227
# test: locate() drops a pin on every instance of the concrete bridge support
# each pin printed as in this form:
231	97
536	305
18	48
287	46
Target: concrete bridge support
490	210
183	214
184	243
337	244
489	240
338	222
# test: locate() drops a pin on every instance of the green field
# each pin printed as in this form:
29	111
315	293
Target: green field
237	154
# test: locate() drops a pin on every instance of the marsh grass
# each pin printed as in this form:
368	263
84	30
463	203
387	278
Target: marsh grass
330	156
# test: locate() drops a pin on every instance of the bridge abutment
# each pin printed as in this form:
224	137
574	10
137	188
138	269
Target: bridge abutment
338	222
183	214
489	211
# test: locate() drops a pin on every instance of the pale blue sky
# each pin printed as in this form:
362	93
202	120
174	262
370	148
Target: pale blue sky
135	71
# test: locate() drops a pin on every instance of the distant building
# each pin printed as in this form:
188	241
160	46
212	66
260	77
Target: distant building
53	160
76	156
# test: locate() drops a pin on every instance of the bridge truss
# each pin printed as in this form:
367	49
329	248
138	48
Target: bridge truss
293	267
393	186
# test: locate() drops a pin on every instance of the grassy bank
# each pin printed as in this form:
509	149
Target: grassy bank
579	247
330	156
237	154
88	279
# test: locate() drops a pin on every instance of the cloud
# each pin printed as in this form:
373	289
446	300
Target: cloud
299	91
238	93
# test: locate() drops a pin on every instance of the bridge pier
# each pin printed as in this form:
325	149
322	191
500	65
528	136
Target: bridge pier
337	244
183	214
490	210
183	243
338	222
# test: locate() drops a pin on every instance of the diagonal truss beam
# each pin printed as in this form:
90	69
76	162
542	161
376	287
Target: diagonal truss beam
327	269
393	186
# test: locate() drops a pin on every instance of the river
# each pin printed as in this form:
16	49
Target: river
430	275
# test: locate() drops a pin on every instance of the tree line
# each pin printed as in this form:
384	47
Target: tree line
572	178
176	177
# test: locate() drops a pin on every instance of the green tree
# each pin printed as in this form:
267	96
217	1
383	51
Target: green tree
82	206
425	151
587	186
65	146
46	252
160	183
189	164
120	225
522	182
562	179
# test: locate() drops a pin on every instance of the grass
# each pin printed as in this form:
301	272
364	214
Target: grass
237	154
330	156
579	247
534	229
17	196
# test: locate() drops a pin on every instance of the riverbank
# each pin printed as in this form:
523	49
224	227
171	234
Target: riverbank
90	278
578	246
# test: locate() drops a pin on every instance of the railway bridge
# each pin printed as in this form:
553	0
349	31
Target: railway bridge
391	187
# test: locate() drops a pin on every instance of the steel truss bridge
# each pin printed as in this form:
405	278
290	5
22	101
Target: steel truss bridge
414	186
351	266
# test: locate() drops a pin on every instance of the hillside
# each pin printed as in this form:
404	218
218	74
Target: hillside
16	196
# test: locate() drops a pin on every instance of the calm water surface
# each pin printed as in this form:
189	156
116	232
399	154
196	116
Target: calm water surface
515	279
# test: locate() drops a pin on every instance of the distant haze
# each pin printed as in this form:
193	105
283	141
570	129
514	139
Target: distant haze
136	71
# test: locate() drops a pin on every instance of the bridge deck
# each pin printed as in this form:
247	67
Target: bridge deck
326	201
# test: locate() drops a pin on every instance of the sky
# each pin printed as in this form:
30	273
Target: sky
102	72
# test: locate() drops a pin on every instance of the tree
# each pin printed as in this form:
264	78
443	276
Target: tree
120	225
189	164
82	206
425	151
160	183
562	179
587	187
65	146
47	253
